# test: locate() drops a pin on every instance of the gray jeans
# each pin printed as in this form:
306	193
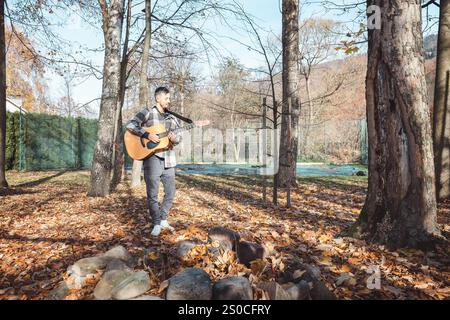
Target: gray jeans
154	172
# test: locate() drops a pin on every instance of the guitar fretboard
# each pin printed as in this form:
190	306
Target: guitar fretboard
188	127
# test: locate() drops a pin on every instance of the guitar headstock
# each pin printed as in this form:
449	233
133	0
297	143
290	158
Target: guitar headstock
201	123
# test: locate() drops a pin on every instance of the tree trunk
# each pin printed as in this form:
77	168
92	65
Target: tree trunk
143	86
3	182
290	38
308	119
441	125
400	208
119	159
101	163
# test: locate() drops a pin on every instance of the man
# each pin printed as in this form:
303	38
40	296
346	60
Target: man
161	165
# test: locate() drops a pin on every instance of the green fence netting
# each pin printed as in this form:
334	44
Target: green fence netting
37	141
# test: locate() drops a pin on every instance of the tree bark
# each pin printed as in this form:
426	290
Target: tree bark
441	113
119	159
102	159
309	118
143	85
400	207
3	182
290	38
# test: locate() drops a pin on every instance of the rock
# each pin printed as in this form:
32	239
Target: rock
117	264
233	288
190	284
59	293
227	238
86	266
299	291
119	252
147	298
183	248
275	291
319	290
134	285
112	278
250	251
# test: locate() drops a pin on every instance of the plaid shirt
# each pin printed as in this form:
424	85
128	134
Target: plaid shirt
149	117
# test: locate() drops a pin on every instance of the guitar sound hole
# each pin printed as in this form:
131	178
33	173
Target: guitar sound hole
151	145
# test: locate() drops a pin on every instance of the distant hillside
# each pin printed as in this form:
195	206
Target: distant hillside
349	101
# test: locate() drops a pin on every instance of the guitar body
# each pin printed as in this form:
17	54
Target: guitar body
139	148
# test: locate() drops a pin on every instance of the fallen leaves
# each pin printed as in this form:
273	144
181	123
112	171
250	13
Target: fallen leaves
46	227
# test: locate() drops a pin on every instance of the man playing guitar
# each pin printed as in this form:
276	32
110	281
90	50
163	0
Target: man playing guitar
160	166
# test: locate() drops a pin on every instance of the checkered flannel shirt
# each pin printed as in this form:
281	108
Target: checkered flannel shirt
149	117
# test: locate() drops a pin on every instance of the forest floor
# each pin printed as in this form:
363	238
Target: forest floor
47	222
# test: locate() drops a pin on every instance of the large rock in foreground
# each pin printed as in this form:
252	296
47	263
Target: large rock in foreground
250	251
120	253
275	291
133	286
233	288
103	289
227	238
190	284
319	290
86	266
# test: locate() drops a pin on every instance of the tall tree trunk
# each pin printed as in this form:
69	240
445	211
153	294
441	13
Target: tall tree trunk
3	182
143	85
290	38
441	113
102	160
400	208
119	159
308	118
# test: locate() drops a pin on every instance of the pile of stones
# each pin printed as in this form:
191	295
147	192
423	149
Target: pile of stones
195	284
119	281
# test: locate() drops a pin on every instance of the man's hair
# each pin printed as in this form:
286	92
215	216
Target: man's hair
161	90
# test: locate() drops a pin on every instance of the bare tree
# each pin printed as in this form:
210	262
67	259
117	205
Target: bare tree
316	44
231	79
143	85
118	155
400	208
102	161
3	182
290	37
441	112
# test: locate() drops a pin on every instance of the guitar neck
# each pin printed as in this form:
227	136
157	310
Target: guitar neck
188	127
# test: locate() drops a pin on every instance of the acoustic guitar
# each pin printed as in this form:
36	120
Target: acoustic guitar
139	148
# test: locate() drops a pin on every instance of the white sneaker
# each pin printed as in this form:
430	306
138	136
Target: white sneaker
166	225
156	230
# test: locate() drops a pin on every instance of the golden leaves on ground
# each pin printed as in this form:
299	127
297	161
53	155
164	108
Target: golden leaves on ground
48	222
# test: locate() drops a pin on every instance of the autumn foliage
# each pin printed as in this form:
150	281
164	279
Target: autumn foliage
47	223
